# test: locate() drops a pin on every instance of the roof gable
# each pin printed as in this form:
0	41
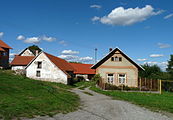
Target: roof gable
58	62
25	50
4	45
110	54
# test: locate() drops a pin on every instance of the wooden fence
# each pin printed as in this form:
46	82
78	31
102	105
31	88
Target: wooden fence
143	85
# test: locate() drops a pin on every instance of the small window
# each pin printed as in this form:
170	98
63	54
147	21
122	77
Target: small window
38	73
120	58
112	59
110	78
122	78
116	59
39	65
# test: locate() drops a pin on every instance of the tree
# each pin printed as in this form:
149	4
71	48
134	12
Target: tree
169	68
151	72
33	48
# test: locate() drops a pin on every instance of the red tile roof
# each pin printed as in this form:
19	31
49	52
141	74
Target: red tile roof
61	64
82	68
1	49
4	45
22	60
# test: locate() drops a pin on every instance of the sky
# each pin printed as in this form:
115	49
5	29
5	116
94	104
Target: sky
72	29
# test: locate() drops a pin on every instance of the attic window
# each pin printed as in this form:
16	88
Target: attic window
39	65
117	59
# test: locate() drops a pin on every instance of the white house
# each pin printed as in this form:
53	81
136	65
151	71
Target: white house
47	67
23	59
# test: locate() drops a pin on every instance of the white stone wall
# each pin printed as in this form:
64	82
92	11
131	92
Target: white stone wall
18	67
27	52
49	72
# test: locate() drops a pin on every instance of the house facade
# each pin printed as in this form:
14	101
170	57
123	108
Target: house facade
50	68
23	59
4	54
117	68
83	71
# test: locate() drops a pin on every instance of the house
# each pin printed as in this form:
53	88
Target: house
83	71
117	68
23	59
47	67
4	54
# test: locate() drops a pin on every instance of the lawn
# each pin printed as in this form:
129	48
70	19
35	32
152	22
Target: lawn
153	101
24	97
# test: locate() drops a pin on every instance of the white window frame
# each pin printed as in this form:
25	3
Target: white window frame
110	79
122	80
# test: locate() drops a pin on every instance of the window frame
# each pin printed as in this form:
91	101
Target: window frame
39	66
38	73
111	81
125	78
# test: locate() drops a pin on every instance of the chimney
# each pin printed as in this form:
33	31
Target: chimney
36	52
110	49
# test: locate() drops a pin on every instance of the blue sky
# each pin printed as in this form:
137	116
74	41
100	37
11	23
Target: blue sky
141	28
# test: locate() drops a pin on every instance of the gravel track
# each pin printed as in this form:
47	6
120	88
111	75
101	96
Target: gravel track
101	107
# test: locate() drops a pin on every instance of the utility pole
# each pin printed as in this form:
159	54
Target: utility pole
95	55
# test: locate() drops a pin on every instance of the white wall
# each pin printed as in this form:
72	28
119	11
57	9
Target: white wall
27	52
49	72
18	67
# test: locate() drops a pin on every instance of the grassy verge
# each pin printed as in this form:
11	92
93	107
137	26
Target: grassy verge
82	85
156	102
24	97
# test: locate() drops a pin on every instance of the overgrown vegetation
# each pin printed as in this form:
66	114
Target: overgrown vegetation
24	97
154	71
149	100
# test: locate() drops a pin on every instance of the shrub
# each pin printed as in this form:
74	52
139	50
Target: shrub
96	78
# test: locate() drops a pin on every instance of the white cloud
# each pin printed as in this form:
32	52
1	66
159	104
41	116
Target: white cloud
20	37
162	45
49	39
144	59
168	16
1	34
69	57
122	16
86	59
156	55
36	40
95	18
69	52
96	6
62	42
151	63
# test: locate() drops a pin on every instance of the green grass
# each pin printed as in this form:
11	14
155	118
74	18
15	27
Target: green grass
84	84
24	97
153	101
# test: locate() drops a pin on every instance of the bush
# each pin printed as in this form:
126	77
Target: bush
111	87
96	78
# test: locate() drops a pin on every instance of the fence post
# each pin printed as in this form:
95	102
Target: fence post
151	84
160	86
140	83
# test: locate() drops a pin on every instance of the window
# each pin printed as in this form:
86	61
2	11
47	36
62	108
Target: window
39	65
117	59
112	59
122	78
110	78
38	73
